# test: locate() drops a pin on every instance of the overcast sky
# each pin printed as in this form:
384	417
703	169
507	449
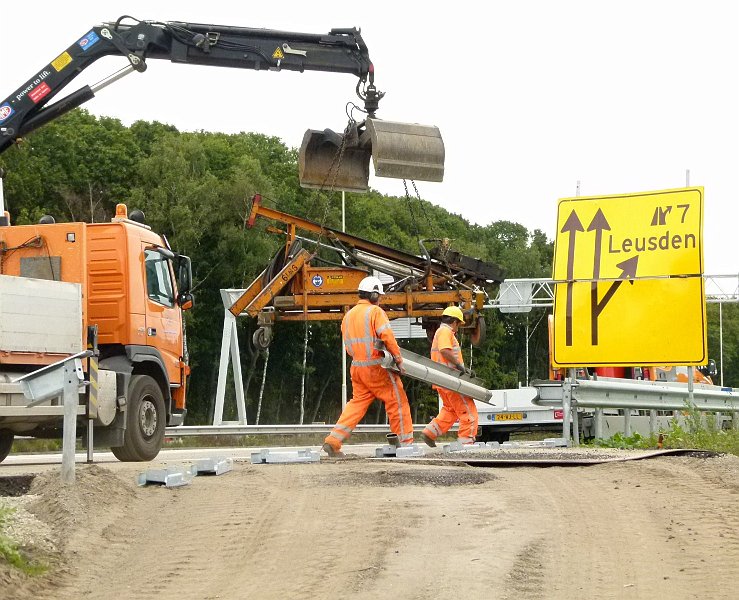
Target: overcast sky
531	97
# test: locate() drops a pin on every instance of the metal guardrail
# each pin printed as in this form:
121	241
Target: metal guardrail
610	393
235	429
644	395
60	380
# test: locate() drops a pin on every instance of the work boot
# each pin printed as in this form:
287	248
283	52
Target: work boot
430	442
329	449
466	441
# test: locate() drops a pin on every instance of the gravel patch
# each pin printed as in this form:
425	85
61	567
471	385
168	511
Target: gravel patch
532	453
23	527
434	476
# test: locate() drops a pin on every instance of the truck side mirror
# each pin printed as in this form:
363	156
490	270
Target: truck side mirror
186	301
183	273
712	370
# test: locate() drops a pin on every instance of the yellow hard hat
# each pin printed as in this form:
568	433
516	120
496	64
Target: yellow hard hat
453	311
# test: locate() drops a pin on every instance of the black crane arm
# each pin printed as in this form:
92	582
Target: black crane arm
340	51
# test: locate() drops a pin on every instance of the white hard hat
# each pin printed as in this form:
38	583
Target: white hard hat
371	284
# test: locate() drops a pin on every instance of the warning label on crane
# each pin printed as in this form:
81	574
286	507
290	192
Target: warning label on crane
629	273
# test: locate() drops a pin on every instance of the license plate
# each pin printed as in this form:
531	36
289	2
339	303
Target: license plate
509	417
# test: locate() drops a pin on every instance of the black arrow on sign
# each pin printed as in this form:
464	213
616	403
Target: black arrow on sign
628	271
598	224
572	226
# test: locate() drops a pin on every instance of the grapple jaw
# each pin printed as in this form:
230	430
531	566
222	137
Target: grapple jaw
322	164
398	150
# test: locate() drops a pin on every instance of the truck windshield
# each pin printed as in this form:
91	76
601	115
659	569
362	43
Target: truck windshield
158	281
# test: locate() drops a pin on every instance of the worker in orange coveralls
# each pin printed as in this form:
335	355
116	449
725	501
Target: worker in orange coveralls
445	350
363	327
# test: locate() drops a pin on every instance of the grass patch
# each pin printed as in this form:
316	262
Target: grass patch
9	549
703	433
37	445
697	430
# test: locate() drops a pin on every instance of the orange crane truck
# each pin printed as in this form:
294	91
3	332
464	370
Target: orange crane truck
61	282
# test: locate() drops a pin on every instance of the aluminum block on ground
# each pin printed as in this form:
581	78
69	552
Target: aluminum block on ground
385	451
214	466
172	476
559	442
284	456
406	451
389	451
459	447
546	443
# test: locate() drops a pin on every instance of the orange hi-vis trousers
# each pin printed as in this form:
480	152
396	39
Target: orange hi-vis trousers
369	383
455	406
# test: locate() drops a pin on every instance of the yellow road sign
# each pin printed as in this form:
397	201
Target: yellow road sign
633	290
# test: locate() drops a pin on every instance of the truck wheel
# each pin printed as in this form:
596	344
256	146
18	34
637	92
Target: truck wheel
6	441
145	421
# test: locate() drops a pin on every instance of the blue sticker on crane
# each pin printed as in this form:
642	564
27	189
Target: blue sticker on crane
88	41
6	111
317	280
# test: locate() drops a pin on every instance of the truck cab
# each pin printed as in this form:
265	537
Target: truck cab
133	291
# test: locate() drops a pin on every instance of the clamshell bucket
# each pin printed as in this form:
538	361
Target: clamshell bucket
406	150
398	150
321	167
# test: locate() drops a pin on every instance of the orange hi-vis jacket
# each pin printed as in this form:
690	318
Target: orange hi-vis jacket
455	406
444	339
363	327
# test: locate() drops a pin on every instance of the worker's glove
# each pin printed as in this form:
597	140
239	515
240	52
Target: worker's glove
468	371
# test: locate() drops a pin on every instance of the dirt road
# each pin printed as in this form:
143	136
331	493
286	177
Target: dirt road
659	528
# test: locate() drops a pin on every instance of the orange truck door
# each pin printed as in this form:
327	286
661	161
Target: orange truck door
163	317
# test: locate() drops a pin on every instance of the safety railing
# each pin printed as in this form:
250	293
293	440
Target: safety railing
243	430
50	391
609	393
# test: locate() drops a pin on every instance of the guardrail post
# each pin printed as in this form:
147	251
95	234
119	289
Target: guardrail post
652	422
575	424
598	421
71	400
566	404
627	422
92	391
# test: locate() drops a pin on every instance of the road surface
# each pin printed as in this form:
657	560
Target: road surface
360	528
